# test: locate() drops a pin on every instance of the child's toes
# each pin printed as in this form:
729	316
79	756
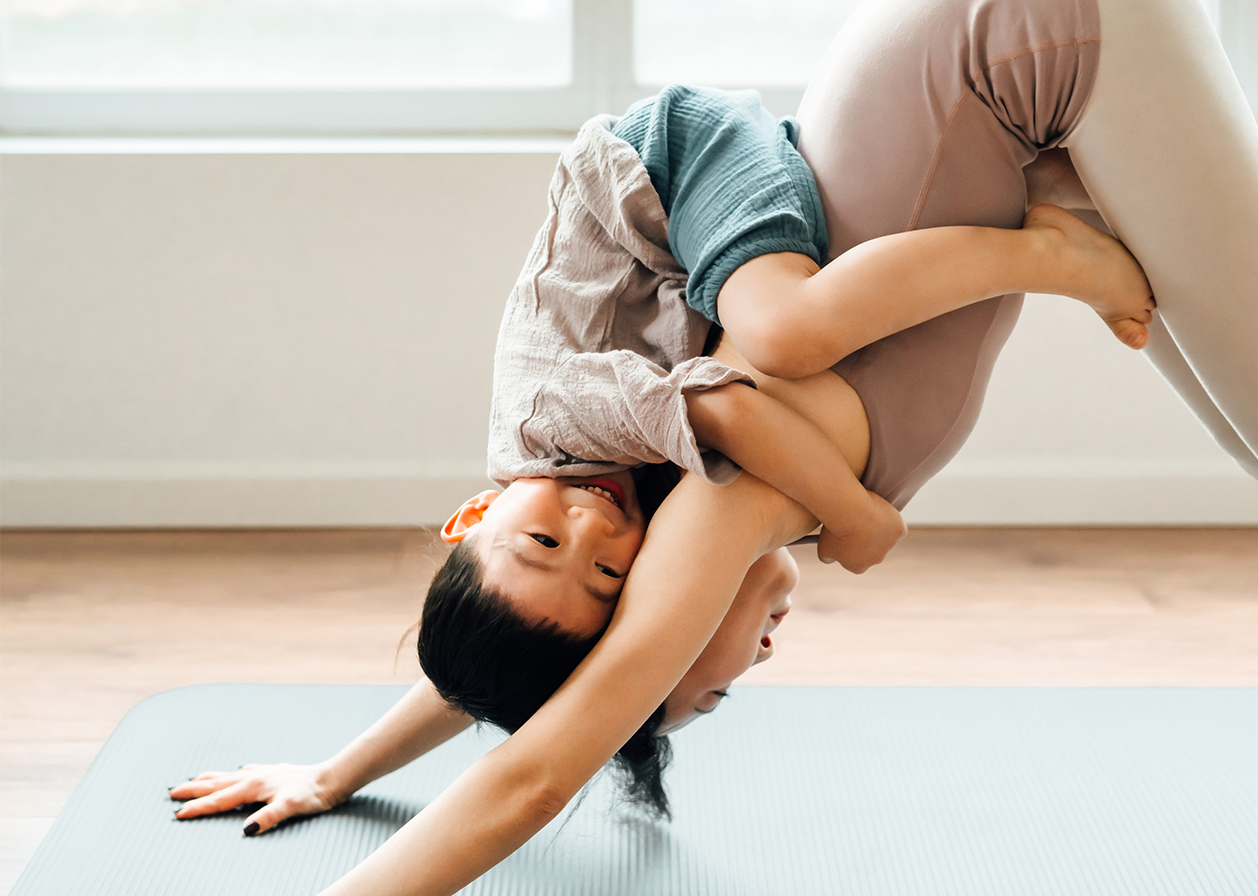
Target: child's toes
1130	333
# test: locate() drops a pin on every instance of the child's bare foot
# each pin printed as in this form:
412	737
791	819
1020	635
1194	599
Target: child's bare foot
1098	270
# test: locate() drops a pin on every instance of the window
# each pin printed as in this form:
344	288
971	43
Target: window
414	67
734	42
325	44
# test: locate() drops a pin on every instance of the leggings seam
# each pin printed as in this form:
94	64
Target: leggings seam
934	164
1055	45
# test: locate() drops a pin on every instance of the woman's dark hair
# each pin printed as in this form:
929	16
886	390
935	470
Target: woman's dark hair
488	661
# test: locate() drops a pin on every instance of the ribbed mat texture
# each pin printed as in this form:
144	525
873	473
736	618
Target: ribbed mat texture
791	791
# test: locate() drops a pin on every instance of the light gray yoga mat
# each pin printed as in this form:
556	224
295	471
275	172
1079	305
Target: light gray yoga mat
792	791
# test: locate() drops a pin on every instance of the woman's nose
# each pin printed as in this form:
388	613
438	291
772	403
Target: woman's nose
765	650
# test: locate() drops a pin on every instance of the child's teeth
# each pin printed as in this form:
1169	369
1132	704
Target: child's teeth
602	491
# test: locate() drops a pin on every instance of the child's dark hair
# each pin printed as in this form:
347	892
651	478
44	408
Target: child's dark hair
490	662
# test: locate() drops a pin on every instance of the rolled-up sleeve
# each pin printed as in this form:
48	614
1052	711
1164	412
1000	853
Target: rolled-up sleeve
622	409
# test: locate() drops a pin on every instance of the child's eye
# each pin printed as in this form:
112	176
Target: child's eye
544	540
608	571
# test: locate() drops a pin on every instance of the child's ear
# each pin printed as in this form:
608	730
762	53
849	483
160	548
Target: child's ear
467	516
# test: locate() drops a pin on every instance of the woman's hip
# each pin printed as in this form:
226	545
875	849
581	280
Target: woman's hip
924	112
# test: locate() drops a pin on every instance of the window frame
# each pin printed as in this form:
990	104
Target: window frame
602	81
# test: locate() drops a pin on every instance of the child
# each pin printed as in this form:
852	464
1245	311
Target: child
707	207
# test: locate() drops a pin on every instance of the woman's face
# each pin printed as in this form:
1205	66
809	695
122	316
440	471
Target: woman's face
743	639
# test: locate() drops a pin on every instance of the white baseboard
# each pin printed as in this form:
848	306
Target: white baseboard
1023	494
1087	494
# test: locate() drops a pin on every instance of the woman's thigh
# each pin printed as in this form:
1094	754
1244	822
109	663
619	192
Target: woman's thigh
1168	150
924	114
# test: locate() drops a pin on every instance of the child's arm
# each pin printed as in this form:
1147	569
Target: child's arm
414	725
791	318
786	450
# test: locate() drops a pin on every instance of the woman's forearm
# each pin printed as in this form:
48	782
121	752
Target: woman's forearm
414	725
486	814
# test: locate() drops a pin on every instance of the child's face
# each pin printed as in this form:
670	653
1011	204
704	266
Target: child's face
559	549
742	640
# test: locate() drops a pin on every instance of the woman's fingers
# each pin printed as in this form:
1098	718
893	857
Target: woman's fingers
287	790
194	789
203	784
223	800
270	815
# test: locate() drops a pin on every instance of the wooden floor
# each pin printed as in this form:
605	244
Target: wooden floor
91	623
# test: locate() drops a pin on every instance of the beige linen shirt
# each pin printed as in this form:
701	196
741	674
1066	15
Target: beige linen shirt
597	347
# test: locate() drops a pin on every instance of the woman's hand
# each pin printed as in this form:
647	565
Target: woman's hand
287	790
859	547
414	725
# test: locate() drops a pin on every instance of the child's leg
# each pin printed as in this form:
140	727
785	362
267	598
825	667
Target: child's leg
924	115
816	318
1168	150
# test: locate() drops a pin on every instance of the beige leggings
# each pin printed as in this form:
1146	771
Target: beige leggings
925	113
1168	151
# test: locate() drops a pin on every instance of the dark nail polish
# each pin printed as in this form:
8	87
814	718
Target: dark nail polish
251	829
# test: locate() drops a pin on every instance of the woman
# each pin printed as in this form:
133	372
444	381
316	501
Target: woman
862	126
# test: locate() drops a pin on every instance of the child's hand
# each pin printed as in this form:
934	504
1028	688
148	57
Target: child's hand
864	546
288	790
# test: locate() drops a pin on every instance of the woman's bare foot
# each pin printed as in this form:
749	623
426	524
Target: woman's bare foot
1098	270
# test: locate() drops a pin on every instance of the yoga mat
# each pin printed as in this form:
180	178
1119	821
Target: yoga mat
793	791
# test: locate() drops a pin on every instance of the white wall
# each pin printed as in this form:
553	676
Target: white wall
304	338
1078	429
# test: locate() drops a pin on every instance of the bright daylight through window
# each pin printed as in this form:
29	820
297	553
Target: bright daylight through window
734	42
287	43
